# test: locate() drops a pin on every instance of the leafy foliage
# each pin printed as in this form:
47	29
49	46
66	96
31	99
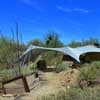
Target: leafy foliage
74	44
90	72
52	40
90	41
60	65
9	51
36	42
6	74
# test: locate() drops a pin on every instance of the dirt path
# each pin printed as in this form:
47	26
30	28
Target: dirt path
49	85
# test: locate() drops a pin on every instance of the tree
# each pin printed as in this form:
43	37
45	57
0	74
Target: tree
36	42
90	41
75	44
52	40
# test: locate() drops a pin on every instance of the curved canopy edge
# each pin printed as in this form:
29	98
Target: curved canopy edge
73	52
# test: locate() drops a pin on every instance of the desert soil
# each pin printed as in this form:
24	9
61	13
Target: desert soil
50	83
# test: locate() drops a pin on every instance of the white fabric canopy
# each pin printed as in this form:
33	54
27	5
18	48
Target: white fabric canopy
72	52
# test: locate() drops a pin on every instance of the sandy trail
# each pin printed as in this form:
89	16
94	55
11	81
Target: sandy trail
49	85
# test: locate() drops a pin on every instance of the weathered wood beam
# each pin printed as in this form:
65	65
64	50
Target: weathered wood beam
25	84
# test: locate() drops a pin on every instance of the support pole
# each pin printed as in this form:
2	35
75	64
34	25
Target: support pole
25	84
3	89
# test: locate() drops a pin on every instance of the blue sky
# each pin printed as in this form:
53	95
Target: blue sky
71	19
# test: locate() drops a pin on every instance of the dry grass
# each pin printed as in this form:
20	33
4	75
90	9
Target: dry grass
51	84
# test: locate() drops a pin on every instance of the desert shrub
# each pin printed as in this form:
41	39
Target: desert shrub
76	94
51	57
6	74
32	65
26	70
90	72
9	52
61	67
85	94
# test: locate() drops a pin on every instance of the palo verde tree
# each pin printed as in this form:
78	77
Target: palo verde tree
91	41
52	40
36	42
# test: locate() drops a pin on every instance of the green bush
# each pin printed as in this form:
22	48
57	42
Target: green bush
26	70
6	74
51	57
76	94
61	67
9	51
90	72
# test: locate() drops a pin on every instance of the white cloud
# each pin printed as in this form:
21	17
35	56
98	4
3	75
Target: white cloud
81	10
28	2
32	3
72	9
